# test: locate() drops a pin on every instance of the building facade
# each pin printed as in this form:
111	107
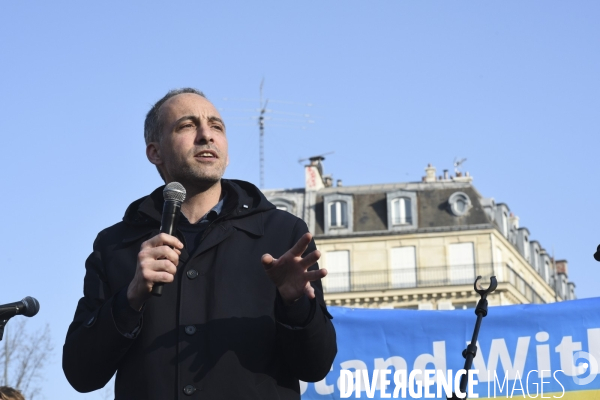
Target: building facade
421	245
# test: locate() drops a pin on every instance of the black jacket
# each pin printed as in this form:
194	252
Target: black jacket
213	333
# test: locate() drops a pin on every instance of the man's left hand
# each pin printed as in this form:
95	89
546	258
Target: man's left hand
289	272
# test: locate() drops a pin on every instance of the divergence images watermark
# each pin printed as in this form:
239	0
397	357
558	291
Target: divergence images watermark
418	384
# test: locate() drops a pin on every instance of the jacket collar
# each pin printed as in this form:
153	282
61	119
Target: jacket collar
147	210
244	209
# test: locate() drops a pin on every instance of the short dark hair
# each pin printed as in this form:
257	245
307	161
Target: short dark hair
8	393
152	125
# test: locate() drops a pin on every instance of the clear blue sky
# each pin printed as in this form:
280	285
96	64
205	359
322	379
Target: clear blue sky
512	86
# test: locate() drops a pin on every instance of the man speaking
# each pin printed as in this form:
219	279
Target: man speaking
241	315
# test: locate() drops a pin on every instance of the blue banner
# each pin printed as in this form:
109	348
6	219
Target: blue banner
524	351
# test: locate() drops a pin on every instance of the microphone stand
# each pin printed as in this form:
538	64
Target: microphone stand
2	325
3	321
471	350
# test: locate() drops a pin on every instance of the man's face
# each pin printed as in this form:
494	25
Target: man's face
193	145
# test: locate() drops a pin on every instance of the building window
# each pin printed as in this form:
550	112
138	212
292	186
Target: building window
338	214
459	203
511	274
284	204
526	248
401	212
498	265
403	267
338	271
571	291
505	224
462	263
445	305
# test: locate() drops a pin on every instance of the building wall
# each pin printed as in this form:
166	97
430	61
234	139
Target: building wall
372	254
500	247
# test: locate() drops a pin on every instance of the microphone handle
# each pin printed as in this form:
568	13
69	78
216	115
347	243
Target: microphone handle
170	217
9	310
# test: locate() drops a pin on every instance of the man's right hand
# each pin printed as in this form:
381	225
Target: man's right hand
157	262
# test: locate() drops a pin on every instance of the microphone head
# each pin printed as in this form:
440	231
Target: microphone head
32	306
174	191
597	254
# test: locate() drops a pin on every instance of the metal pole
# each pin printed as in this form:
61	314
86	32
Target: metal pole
261	124
261	141
471	350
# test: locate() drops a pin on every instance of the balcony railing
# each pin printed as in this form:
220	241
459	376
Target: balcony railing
360	281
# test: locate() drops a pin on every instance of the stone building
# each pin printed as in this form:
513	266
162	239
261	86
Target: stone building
421	244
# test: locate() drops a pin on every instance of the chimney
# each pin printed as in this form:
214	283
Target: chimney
313	174
446	175
514	221
339	183
429	174
562	267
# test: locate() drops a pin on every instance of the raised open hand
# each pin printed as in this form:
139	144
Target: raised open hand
289	272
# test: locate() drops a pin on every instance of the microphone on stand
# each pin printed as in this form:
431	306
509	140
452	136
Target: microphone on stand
174	195
27	307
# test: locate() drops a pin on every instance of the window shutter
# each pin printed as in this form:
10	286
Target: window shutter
338	271
462	263
404	267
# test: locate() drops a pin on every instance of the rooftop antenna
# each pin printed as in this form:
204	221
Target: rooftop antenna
320	157
298	120
457	164
261	125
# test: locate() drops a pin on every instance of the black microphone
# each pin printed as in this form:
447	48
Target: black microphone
174	195
597	254
27	307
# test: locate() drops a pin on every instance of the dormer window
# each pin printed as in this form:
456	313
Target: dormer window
502	219
338	214
459	203
401	211
284	204
521	237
